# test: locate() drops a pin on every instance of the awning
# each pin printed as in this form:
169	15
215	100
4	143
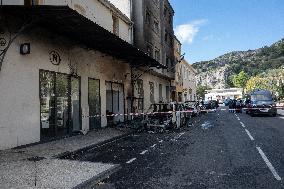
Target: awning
67	22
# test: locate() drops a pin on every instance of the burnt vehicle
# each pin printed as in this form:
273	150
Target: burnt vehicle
207	105
192	106
162	116
261	102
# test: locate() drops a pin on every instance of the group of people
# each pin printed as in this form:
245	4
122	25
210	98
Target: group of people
235	106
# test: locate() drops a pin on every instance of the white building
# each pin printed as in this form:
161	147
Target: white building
222	94
68	67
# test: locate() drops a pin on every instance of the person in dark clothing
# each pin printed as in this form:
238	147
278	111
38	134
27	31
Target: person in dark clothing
234	106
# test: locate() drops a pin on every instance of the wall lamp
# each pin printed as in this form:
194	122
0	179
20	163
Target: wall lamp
25	48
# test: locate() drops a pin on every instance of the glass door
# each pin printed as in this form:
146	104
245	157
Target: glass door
62	107
59	104
94	104
76	104
47	104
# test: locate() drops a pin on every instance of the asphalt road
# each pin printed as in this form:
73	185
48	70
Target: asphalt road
219	150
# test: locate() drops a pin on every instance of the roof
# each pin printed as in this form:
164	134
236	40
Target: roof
69	23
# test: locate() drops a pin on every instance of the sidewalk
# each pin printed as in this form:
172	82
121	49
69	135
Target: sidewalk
38	167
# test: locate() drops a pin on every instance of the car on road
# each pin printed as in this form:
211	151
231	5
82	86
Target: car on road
207	105
192	106
162	116
261	102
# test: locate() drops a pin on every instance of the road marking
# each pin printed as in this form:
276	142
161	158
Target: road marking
161	141
243	125
130	161
269	165
238	119
236	115
281	117
144	152
179	135
223	109
251	138
153	146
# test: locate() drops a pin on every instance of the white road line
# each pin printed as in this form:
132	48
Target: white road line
269	165
243	125
251	138
144	152
153	146
238	119
236	115
161	141
179	135
130	161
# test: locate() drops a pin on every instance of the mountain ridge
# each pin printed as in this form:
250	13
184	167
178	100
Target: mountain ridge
217	73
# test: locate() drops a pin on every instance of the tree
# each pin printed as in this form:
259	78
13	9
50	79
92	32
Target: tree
281	89
201	91
240	79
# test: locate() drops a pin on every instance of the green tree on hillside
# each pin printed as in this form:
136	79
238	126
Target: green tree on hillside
240	79
201	91
281	89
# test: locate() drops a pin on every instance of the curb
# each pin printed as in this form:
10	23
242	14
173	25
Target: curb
64	155
93	181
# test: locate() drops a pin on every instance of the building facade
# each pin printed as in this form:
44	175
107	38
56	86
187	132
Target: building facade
185	82
153	34
65	68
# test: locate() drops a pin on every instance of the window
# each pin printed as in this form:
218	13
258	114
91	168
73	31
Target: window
160	92
170	19
115	25
166	36
168	93
156	26
168	62
152	97
150	50
165	11
157	54
148	17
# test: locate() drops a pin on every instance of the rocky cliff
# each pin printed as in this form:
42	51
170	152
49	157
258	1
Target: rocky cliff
216	73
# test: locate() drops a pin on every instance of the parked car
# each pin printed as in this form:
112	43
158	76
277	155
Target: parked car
192	106
261	102
207	105
162	116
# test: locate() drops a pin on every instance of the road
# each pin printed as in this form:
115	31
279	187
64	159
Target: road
219	150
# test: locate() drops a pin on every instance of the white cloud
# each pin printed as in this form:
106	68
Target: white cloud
186	32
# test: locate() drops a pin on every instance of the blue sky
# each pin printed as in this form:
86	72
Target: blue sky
210	28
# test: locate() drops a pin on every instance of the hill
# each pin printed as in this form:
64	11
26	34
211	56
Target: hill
216	73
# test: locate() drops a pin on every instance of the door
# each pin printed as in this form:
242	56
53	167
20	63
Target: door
114	102
59	104
94	104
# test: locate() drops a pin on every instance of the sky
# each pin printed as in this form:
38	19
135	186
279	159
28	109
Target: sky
210	28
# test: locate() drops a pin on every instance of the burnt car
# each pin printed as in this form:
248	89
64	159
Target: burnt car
192	106
261	102
162	116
